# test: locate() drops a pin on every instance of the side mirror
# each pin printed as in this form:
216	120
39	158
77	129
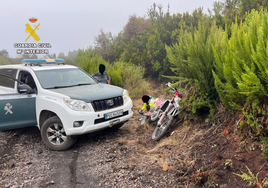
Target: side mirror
24	88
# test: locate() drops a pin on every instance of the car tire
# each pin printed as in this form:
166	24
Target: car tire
54	136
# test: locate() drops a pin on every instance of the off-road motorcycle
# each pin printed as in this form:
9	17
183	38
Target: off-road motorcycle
166	113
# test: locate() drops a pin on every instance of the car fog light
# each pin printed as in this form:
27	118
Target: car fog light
78	123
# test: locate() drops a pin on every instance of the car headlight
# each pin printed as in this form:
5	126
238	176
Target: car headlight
77	105
125	96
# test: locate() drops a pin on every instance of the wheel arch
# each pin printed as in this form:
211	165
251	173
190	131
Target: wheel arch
44	115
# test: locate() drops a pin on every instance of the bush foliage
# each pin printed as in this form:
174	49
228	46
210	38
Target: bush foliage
192	60
242	68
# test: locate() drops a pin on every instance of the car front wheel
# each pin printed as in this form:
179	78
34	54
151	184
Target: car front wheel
54	136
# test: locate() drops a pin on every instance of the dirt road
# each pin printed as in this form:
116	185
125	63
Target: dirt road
96	160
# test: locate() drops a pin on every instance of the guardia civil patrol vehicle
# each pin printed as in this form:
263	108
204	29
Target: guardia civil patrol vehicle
62	100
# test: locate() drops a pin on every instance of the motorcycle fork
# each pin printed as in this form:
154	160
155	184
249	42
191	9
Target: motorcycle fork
160	121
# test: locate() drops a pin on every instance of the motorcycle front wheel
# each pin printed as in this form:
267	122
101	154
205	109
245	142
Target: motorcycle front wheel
161	129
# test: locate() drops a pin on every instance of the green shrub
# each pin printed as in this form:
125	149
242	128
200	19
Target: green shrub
133	80
242	69
115	71
192	60
252	180
264	141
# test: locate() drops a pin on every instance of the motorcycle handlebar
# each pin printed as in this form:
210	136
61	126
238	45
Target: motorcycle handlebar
169	85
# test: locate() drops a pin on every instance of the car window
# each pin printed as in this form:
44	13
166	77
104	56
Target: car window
26	77
63	78
5	81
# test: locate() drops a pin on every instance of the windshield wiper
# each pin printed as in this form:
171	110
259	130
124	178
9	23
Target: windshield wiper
83	84
56	87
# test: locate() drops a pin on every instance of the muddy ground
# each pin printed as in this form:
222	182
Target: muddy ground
193	153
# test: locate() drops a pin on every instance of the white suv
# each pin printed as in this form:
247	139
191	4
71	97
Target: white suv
61	100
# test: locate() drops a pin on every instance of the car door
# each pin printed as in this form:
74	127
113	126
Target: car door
16	109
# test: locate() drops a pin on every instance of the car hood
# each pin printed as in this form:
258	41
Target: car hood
89	93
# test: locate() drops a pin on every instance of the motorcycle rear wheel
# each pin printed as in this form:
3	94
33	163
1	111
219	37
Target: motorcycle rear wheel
161	129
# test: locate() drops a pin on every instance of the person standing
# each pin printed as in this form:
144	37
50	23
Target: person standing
102	76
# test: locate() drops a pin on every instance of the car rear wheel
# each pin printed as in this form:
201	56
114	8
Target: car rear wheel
54	135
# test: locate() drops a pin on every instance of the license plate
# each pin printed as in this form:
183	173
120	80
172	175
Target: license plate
113	114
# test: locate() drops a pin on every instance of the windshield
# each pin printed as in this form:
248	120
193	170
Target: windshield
60	78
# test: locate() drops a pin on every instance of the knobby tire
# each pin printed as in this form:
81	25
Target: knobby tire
161	129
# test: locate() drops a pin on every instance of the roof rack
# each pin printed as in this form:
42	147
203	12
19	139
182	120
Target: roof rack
39	62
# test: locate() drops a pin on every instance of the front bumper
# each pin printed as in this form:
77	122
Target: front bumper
94	121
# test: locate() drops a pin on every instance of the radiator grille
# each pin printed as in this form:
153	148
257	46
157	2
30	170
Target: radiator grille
100	105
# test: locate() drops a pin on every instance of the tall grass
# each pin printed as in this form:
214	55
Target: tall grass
133	80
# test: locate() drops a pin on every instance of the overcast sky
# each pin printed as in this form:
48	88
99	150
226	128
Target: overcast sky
69	25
